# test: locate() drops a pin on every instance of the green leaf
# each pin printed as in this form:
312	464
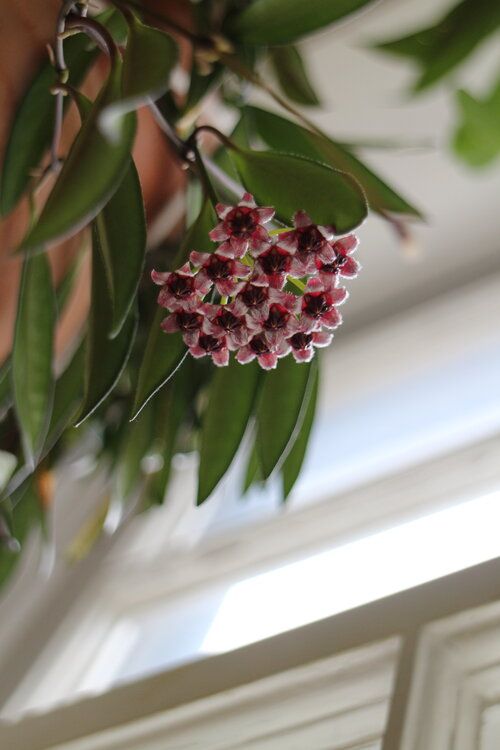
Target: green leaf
138	436
68	395
91	173
477	138
32	376
291	183
282	407
31	131
232	397
200	85
196	236
253	474
293	463
282	134
148	61
440	48
5	387
26	514
170	410
106	358
282	21
292	75
121	239
8	463
163	355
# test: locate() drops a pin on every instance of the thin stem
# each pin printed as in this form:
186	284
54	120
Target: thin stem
193	38
203	175
175	141
98	33
214	131
234	64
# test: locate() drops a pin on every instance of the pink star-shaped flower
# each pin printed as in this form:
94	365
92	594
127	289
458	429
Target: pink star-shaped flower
180	289
319	305
272	266
229	321
308	243
342	263
203	345
221	271
241	227
267	354
303	341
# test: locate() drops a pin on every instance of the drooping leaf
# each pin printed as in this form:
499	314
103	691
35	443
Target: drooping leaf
283	21
121	239
149	58
291	182
91	173
26	514
253	472
32	375
231	400
477	138
170	409
292	75
282	407
284	135
105	358
137	440
196	237
200	85
162	357
438	49
33	124
68	394
5	387
293	463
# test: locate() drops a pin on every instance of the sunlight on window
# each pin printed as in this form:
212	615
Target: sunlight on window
356	573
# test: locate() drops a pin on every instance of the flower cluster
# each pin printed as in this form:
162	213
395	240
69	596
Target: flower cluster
234	299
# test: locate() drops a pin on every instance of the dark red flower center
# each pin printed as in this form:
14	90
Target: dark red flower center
275	260
259	344
218	267
227	321
180	286
241	221
278	318
210	343
300	340
334	266
189	321
254	296
316	304
309	239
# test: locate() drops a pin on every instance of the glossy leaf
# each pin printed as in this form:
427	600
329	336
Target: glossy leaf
291	182
253	473
26	514
292	75
137	440
31	131
162	356
293	463
91	173
438	49
105	358
283	21
148	61
170	410
285	135
5	387
121	239
32	376
68	394
231	401
196	237
282	407
477	138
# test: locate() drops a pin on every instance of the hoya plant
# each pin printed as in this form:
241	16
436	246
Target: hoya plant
213	334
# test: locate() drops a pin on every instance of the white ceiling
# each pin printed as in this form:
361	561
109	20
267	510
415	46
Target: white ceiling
364	96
